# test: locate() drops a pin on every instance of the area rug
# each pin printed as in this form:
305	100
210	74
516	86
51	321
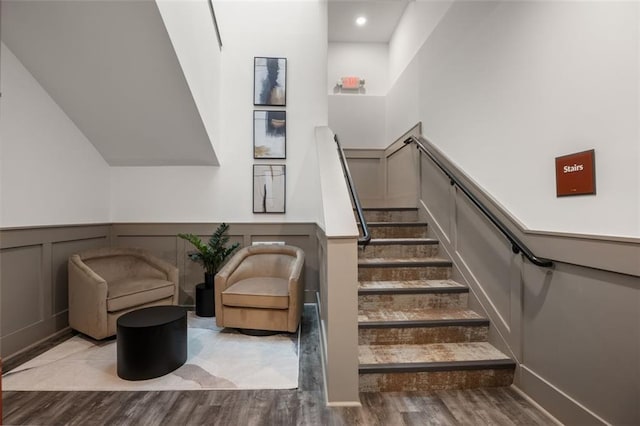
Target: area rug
217	359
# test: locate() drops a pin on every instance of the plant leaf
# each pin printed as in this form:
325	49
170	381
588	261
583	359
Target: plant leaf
213	254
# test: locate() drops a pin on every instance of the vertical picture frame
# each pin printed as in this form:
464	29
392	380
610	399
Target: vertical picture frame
269	134
269	188
269	81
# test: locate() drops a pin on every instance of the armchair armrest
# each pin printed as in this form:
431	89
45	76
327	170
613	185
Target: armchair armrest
222	277
84	273
87	299
222	281
296	271
296	291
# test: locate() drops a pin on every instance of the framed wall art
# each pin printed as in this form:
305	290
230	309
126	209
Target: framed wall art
269	188
270	134
269	81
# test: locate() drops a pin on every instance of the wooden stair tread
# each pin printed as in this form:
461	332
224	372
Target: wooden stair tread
438	353
411	286
401	241
426	367
395	223
388	315
390	262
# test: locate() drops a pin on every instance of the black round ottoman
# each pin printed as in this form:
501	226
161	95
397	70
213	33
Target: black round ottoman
151	342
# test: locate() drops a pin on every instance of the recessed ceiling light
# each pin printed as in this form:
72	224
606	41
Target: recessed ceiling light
361	20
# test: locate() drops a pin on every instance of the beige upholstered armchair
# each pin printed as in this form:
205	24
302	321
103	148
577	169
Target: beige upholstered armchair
261	288
106	283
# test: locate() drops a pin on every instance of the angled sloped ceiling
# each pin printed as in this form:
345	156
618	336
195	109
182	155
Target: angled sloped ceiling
111	67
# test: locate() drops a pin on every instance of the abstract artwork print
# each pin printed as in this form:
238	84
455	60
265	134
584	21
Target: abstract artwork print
269	134
269	81
269	188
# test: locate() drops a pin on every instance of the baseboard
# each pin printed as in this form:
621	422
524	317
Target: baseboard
534	403
322	336
564	408
35	349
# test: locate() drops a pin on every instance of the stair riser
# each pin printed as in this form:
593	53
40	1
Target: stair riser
374	302
398	231
398	251
422	335
390	216
404	273
439	380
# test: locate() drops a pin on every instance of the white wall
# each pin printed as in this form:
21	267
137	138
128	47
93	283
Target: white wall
402	103
193	35
418	21
359	121
505	87
358	118
365	60
50	174
295	30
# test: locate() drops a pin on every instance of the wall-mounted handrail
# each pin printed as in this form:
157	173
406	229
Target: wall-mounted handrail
517	246
215	24
366	236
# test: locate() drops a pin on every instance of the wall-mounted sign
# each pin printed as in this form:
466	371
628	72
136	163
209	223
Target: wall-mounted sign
576	174
351	83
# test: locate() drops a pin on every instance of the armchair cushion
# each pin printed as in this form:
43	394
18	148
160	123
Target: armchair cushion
263	292
129	292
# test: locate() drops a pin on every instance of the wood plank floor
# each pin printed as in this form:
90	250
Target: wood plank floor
303	406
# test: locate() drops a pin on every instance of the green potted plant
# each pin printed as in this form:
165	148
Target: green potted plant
213	254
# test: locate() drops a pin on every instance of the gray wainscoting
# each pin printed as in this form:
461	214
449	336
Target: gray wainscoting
33	280
33	266
386	177
574	330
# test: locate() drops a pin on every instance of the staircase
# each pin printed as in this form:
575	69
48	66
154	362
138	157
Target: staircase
416	332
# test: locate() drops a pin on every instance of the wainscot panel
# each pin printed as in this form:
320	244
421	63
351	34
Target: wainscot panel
367	169
33	280
402	178
22	280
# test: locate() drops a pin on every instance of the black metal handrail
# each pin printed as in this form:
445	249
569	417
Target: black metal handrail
366	236
517	246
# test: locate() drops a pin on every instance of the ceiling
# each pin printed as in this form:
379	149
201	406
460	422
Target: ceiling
382	18
111	67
